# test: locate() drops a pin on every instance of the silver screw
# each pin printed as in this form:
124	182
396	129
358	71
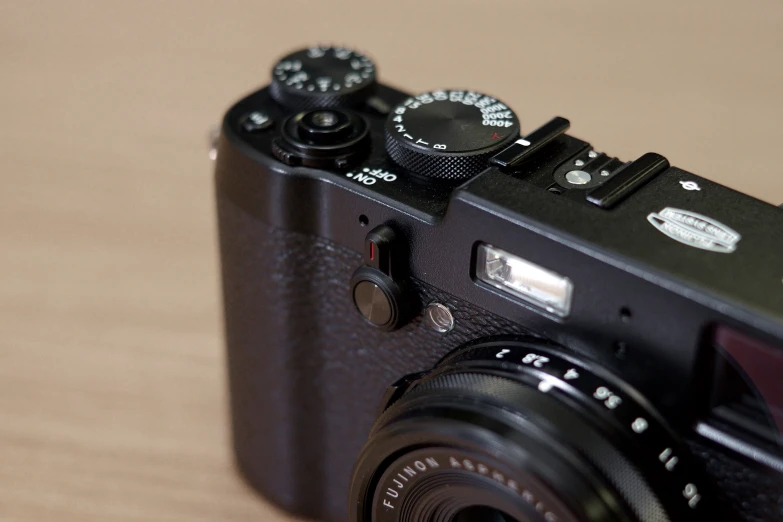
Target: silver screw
439	318
578	177
592	154
605	172
579	163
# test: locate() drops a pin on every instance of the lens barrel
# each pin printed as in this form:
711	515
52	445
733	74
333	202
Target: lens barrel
516	431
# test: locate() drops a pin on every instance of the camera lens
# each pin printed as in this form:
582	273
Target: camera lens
514	430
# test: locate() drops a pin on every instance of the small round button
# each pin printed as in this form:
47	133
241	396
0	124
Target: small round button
439	318
373	303
256	121
578	177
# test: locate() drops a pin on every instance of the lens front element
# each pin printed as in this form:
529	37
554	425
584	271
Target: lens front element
481	514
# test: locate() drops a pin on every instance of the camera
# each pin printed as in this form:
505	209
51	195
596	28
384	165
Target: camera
433	316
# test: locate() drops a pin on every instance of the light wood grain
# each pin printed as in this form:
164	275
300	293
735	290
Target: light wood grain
112	392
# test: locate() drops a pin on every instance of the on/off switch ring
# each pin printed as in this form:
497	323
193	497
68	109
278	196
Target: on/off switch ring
322	138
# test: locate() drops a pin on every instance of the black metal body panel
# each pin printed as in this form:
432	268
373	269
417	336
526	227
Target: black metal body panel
306	371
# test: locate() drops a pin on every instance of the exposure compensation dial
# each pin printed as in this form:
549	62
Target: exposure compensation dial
323	77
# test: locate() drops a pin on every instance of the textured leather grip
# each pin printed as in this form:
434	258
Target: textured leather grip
306	371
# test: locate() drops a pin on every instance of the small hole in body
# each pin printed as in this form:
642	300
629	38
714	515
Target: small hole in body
625	314
364	220
621	349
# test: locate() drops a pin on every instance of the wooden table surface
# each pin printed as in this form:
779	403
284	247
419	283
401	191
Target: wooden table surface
112	380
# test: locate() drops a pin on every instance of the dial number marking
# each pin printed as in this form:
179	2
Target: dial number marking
489	113
673	458
324	70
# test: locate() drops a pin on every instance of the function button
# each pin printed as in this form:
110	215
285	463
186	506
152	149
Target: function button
256	121
378	106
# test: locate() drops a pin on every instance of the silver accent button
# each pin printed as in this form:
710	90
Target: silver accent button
578	177
439	318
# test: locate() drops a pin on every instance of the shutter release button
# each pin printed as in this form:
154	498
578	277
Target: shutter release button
372	302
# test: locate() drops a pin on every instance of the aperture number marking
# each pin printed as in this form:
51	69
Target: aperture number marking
611	401
669	460
640	425
539	361
691	493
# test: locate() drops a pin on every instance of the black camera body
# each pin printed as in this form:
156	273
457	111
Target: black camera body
552	334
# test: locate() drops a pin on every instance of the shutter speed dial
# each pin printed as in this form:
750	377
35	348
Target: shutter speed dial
323	77
449	134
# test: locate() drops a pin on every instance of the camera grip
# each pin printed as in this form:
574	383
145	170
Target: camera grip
276	290
306	371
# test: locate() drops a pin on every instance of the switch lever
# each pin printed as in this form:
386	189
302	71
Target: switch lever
378	249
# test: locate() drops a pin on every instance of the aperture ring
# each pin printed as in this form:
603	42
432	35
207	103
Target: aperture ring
613	406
